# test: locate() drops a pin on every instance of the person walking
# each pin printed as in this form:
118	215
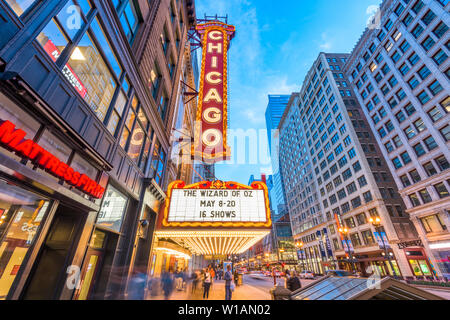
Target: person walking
287	276
167	283
206	284
228	277
195	278
294	283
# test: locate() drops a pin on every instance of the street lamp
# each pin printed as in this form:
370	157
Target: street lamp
376	222
299	245
344	232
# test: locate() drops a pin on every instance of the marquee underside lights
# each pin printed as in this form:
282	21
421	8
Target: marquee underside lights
217	204
214	242
210	143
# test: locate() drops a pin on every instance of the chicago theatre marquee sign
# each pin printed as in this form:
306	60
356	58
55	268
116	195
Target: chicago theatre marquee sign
210	143
216	218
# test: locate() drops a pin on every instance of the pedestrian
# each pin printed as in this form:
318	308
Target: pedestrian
294	283
213	274
167	283
286	277
195	278
206	284
178	279
236	277
274	275
136	287
228	277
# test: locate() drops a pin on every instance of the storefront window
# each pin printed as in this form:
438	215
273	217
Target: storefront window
420	268
20	6
21	214
112	210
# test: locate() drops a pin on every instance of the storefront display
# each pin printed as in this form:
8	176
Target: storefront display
22	213
113	209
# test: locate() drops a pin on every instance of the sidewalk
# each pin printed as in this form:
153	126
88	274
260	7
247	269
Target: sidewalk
217	292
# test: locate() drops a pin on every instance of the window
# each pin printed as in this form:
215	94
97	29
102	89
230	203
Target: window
397	163
404	46
417	6
404	69
442	163
347	174
155	81
356	202
413	59
428	43
163	104
420	126
428	17
128	16
440	30
445	131
405	157
356	241
433	223
368	237
425	196
158	163
400	116
362	181
424	72
429	169
441	190
417	31
430	143
389	147
435	114
413	82
397	141
405	181
440	57
415	176
419	150
423	97
352	153
410	109
356	166
415	202
410	133
435	87
361	219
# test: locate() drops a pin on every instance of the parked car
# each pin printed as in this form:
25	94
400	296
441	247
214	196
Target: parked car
306	275
339	273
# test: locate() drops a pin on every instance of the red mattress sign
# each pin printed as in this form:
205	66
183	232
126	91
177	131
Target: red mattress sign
14	139
211	129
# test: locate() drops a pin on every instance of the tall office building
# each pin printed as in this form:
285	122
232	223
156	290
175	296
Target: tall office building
274	112
400	74
336	179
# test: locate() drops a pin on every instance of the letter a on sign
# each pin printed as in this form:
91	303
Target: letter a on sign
210	143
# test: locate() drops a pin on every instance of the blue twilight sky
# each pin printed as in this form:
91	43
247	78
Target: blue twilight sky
275	45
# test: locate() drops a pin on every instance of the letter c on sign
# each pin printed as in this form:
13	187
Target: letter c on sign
215	35
210	75
209	134
212	115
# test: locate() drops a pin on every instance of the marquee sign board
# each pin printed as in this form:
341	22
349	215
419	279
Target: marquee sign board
210	142
217	204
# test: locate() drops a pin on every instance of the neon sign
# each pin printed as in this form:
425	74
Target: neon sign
211	129
14	139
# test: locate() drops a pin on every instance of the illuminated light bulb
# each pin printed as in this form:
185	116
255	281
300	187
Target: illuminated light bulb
77	55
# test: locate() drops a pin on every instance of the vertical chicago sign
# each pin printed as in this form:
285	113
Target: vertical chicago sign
210	143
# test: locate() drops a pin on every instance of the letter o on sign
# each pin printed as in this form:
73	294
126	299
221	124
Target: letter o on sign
215	35
212	115
211	137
